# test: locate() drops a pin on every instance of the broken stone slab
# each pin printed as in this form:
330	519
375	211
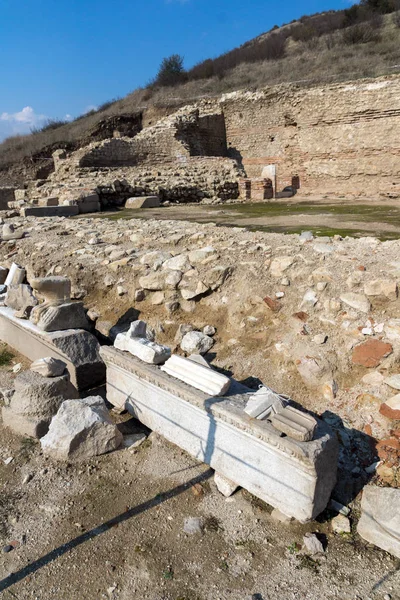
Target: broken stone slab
195	342
380	518
52	289
77	348
294	423
148	351
196	375
35	402
264	403
60	317
226	486
16	275
48	367
49	211
370	353
296	477
391	408
20	297
356	301
143	202
80	430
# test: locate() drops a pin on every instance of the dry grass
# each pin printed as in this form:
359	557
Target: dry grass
322	59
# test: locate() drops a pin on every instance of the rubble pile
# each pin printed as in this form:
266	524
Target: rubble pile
316	319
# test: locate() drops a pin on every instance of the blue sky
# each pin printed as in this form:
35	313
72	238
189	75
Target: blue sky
60	57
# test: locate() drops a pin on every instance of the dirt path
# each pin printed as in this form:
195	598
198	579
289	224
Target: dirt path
113	528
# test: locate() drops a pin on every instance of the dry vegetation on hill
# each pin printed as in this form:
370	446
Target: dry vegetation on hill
334	46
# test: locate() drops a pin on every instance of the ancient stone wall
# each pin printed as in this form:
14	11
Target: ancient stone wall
6	195
340	140
171	140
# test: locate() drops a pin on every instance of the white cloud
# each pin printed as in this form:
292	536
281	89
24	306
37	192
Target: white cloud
20	122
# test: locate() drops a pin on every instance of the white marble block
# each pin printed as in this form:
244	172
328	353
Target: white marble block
264	403
149	352
296	477
200	377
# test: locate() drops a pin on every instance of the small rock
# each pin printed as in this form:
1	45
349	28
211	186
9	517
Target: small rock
139	295
312	544
374	378
226	486
320	338
27	478
279	295
121	291
133	440
195	342
277	515
393	381
341	524
274	305
49	367
209	330
193	525
8	548
280	264
356	301
8	460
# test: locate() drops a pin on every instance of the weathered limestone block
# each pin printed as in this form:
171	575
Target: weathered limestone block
77	348
9	233
380	518
143	202
196	375
225	485
61	317
48	367
297	477
80	430
49	211
35	401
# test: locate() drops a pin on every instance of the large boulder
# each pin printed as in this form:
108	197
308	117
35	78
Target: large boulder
80	430
35	402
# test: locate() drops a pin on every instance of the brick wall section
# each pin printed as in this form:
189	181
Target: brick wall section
189	180
171	140
340	140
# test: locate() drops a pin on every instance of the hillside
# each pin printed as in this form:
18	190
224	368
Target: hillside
324	48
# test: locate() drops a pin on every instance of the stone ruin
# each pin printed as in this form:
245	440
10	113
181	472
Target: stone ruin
259	440
293	460
182	158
